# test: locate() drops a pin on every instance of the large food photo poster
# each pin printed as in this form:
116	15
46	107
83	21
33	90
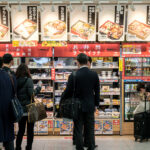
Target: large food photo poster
138	26
82	23
25	23
111	23
4	25
54	23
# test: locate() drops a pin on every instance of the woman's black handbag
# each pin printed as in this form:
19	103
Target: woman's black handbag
70	108
15	107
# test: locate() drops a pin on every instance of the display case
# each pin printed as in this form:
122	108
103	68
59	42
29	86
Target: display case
137	67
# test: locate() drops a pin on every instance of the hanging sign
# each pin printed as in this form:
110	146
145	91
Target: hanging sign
4	25
25	23
138	26
54	23
83	23
111	23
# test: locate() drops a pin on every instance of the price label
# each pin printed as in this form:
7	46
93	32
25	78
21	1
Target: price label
120	64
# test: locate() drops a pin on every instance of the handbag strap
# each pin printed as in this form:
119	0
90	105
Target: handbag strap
12	81
74	83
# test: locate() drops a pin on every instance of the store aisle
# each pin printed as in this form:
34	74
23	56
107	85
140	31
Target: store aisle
104	143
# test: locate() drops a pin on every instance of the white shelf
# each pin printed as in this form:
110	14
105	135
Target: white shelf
109	93
41	78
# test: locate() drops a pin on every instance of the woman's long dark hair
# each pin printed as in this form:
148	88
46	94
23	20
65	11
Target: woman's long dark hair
23	71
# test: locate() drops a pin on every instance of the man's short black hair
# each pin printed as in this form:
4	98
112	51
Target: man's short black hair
90	59
7	58
82	59
140	86
1	62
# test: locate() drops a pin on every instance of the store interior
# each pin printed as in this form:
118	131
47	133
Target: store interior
48	35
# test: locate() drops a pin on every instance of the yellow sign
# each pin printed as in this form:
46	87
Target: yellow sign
120	64
54	44
15	43
24	43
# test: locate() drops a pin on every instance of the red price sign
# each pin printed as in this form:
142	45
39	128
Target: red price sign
116	122
53	73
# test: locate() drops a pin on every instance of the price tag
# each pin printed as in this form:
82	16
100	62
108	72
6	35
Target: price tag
120	64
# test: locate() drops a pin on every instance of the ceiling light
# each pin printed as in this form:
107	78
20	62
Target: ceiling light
19	8
100	8
132	7
118	7
70	8
53	8
41	8
83	8
8	8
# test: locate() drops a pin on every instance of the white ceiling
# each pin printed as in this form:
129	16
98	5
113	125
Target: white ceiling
75	1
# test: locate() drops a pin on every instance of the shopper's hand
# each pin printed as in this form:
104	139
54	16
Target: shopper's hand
40	83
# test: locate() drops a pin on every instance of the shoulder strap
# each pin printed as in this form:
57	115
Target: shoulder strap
74	82
12	81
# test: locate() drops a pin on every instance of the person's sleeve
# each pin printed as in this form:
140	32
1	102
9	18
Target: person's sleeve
30	87
97	91
37	90
69	89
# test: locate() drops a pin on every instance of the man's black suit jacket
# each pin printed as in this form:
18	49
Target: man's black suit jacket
86	89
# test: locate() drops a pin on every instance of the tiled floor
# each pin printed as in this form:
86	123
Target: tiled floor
104	143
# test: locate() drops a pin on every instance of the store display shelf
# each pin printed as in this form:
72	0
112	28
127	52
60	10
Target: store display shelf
109	93
107	118
40	67
131	91
108	80
109	104
46	92
41	78
60	81
98	67
66	67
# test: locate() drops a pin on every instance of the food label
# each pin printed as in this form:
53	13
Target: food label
119	15
91	15
4	25
32	13
148	15
62	13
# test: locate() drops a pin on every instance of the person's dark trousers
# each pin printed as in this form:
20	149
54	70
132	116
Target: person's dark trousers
86	120
9	145
30	133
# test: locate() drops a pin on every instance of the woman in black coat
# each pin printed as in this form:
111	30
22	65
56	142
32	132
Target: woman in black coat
25	91
6	95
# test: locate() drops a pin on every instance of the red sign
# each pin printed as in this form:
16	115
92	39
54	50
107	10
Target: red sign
93	50
38	51
136	50
53	73
116	122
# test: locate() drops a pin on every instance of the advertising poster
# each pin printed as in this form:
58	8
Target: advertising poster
43	127
65	127
83	23
138	26
98	127
107	127
50	127
4	25
25	23
57	126
111	23
54	23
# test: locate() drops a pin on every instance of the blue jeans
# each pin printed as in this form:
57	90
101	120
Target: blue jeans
9	145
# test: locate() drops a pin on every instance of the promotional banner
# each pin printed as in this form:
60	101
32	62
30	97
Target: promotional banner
38	51
138	26
83	23
93	50
111	23
54	23
25	23
4	25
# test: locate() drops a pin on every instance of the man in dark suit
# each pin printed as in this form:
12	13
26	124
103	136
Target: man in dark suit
87	90
6	125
